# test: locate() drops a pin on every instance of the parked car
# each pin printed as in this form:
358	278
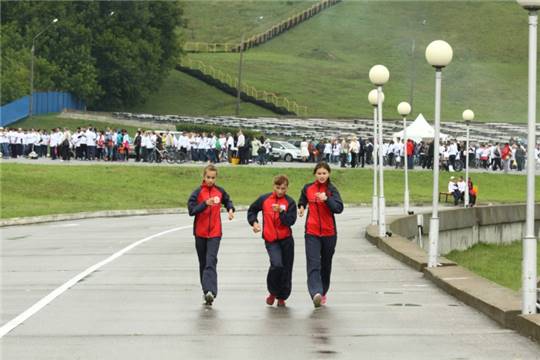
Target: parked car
282	150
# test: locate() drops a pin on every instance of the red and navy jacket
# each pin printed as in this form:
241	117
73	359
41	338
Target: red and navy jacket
276	225
207	222
320	217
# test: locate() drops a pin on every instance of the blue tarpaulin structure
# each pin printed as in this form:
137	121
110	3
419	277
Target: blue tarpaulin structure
43	103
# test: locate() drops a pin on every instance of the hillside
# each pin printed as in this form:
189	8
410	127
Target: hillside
183	94
324	62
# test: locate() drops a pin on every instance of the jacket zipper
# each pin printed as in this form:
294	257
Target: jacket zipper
210	214
319	211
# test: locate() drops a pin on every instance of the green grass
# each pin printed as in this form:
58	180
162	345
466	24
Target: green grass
30	190
324	62
52	121
498	263
225	21
185	95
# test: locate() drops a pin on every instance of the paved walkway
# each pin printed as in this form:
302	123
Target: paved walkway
146	304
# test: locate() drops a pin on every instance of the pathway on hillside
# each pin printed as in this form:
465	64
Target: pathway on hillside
147	304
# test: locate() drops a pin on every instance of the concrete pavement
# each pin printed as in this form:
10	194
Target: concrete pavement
147	303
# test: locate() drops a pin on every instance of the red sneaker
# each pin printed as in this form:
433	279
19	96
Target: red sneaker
270	299
323	300
281	302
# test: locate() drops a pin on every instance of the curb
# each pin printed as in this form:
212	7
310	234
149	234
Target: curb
498	302
96	214
29	220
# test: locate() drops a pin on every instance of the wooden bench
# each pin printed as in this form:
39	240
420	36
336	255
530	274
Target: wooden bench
446	195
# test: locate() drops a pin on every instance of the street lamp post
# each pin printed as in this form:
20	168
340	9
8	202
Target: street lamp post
240	65
379	75
404	109
374	101
529	240
239	87
438	54
468	116
30	104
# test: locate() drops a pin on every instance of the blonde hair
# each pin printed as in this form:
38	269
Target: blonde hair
210	167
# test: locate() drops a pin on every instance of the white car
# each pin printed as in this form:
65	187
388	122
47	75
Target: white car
284	151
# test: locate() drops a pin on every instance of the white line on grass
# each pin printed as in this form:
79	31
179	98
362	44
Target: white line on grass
58	291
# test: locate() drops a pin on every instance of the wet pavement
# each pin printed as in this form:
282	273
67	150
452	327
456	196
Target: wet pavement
147	303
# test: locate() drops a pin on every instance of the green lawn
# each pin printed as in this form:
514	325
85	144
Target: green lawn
184	95
498	263
324	62
225	21
53	120
29	190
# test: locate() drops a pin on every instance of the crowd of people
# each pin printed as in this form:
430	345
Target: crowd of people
89	143
354	152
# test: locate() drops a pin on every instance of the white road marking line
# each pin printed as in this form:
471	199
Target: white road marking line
64	225
58	291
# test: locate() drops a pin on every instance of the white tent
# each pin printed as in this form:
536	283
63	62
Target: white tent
419	129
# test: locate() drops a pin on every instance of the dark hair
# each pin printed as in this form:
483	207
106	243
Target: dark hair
322	164
281	179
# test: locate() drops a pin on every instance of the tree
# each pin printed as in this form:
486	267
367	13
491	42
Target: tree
110	54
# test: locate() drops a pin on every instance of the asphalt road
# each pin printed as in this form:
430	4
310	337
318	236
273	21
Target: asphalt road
146	303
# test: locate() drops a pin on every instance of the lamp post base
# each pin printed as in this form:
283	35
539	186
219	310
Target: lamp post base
382	221
433	241
374	211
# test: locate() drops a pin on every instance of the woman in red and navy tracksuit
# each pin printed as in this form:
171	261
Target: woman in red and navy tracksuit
324	201
205	204
279	214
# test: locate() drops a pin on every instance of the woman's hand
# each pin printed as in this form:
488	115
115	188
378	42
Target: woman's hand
256	227
231	214
301	211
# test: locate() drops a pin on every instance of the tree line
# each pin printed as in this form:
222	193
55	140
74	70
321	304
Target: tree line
110	54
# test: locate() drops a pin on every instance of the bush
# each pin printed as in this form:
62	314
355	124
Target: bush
216	129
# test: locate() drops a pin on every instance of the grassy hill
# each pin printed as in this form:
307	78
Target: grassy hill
225	21
183	94
324	62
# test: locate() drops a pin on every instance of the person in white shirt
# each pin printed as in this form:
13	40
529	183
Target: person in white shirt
223	145
462	187
145	138
55	141
242	148
354	148
452	153
327	151
91	138
454	190
151	147
4	143
230	147
336	151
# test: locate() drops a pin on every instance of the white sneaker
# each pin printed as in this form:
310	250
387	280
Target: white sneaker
317	299
209	298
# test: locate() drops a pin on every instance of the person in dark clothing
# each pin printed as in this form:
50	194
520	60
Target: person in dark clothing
279	214
205	204
137	143
324	201
430	154
362	153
